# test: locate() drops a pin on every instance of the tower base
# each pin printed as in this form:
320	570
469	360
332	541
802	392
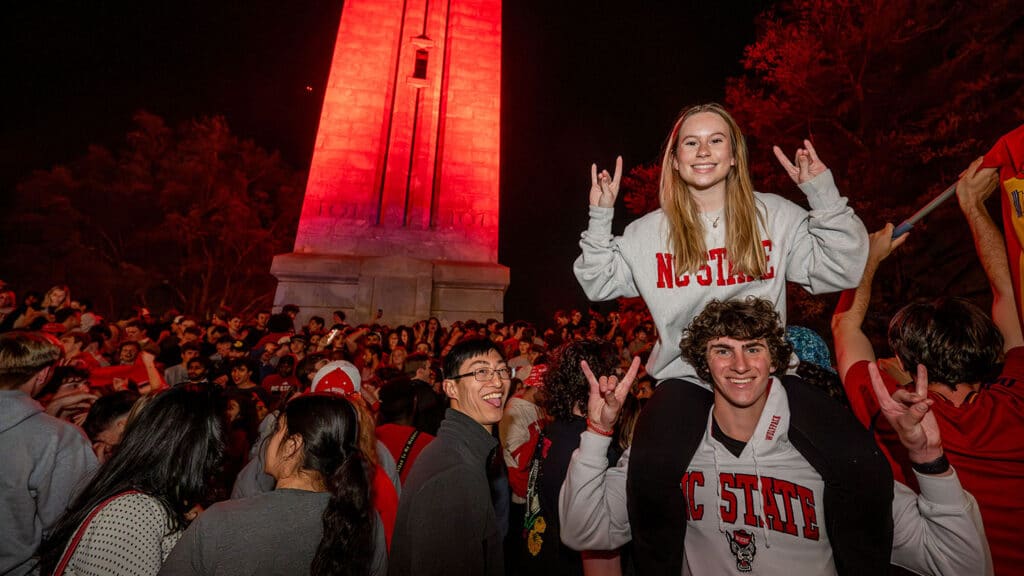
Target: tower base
403	289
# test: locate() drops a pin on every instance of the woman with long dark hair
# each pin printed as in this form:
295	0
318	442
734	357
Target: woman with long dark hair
127	519
318	520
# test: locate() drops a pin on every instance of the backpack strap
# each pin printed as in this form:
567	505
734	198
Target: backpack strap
73	545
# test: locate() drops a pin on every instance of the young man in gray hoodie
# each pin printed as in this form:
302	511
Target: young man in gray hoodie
765	474
45	458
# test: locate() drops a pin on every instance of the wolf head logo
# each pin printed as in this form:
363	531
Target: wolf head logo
742	545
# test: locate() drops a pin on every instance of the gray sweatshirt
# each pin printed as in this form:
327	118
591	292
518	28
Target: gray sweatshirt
44	461
823	250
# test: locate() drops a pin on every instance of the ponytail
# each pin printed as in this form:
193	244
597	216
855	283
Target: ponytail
331	430
347	545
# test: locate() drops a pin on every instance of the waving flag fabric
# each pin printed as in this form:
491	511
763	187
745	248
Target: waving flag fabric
1008	156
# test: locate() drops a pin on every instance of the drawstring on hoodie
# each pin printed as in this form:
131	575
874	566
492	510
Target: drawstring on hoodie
762	519
718	488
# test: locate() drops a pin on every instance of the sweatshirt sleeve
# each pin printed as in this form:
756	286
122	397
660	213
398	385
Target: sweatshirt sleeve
57	486
592	502
601	270
939	531
830	246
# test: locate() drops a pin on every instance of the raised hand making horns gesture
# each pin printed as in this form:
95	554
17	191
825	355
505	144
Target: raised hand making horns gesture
607	394
806	165
604	188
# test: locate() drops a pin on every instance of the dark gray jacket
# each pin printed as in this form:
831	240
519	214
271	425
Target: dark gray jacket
446	522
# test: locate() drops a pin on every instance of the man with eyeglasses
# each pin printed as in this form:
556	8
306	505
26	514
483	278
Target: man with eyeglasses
446	521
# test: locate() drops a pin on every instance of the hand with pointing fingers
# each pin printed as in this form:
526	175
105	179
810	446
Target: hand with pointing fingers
910	415
604	188
607	394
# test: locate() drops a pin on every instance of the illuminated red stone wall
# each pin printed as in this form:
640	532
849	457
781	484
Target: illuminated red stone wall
407	152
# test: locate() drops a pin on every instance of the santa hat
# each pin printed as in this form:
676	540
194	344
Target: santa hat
338	377
536	377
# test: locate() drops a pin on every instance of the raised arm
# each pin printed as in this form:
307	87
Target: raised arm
939	531
974	187
852	345
592	502
600	269
156	381
830	242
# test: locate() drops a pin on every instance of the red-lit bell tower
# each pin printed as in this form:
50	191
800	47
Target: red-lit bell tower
401	207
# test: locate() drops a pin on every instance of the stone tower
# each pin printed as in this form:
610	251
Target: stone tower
401	206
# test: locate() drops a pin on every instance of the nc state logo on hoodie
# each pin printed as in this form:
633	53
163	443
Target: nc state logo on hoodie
742	546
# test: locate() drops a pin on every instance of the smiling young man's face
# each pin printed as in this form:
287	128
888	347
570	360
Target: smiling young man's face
481	401
742	371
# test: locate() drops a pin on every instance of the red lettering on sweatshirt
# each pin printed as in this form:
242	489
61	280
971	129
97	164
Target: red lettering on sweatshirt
718	271
767	260
664	270
728	507
806	497
748	482
772	487
773	427
723	269
778	497
690	481
787	490
704	275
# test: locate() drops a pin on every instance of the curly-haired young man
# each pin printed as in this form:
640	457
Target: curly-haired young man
766	474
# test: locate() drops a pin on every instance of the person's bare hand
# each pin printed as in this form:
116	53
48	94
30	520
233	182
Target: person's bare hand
604	187
910	415
72	405
882	244
806	166
607	394
370	393
976	184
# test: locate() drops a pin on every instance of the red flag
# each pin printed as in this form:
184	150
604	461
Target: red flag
1008	156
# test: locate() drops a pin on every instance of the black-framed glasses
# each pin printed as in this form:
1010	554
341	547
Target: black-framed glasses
486	374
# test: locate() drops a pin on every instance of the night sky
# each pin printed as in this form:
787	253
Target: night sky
582	82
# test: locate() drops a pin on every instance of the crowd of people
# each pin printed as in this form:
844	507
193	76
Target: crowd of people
700	436
136	425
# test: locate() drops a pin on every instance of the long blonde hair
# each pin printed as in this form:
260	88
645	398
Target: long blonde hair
48	299
742	219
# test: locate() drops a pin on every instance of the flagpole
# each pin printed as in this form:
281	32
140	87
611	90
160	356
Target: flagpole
907	224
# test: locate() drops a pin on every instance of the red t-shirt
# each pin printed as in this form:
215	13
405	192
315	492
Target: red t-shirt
395	436
983	439
279	386
385	501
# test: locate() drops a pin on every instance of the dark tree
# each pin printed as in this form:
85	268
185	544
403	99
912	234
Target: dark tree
898	97
188	216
